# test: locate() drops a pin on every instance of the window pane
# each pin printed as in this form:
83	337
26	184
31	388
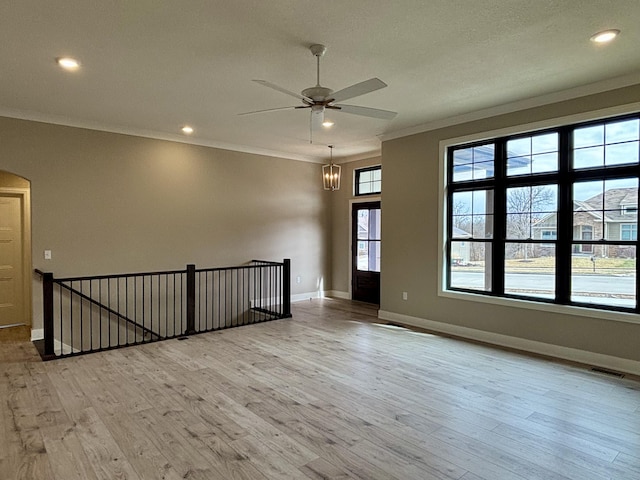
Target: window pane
544	143
471	265
530	270
368	181
473	163
614	143
518	166
588	157
528	208
623	131
588	136
546	162
535	154
482	226
607	277
472	214
519	147
600	206
364	188
621	153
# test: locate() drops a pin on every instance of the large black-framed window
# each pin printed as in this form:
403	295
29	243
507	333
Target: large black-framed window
368	181
549	216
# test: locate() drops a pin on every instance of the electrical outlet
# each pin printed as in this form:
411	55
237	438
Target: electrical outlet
298	279
405	296
47	254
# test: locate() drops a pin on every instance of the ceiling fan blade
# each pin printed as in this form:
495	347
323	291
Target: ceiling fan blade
283	90
268	110
366	111
358	89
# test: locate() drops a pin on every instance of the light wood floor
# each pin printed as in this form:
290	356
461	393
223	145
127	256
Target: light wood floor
326	395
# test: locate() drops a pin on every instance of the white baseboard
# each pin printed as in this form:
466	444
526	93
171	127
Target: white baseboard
339	294
300	297
566	353
37	334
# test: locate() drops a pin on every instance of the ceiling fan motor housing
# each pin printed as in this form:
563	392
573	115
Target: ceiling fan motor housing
317	93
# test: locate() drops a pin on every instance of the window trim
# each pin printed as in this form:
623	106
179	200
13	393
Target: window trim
519	129
356	178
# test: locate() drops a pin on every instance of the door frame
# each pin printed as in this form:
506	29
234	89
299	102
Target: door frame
24	194
352	201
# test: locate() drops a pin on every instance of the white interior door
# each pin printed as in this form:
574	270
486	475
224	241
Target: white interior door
12	308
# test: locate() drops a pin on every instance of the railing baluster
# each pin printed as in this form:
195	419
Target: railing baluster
233	296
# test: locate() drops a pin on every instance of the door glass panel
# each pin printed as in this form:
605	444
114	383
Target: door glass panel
363	255
363	224
374	224
374	256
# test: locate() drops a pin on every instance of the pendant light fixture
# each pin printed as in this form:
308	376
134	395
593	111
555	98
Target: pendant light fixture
331	174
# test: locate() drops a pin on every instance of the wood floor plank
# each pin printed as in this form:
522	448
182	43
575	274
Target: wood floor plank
106	457
329	394
69	459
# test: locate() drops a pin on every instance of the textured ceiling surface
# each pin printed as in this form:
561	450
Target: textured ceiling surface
151	66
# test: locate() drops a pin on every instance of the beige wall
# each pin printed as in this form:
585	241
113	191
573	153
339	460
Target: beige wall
410	242
109	203
341	213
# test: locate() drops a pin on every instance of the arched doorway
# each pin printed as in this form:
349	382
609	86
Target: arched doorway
15	254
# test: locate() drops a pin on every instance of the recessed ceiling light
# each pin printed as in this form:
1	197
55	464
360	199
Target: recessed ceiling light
187	130
327	123
68	63
605	36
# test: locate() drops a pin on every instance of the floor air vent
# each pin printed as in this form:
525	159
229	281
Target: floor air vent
607	372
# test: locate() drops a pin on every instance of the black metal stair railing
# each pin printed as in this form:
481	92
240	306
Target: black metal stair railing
88	314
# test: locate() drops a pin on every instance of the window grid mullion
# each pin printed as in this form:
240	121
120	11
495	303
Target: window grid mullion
500	218
564	225
565	178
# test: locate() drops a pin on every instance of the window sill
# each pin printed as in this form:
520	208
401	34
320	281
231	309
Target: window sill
544	307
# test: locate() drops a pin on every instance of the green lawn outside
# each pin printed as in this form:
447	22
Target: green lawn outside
581	265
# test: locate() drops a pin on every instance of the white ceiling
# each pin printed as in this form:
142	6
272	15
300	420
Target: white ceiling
151	66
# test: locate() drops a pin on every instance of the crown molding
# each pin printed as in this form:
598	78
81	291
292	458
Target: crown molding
563	95
137	132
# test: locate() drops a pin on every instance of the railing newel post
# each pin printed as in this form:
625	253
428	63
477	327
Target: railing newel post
47	314
191	300
286	287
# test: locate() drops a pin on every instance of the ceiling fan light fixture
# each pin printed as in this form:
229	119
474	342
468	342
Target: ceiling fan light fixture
331	174
605	36
328	124
68	63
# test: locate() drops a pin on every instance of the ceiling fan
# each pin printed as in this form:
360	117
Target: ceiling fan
319	98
